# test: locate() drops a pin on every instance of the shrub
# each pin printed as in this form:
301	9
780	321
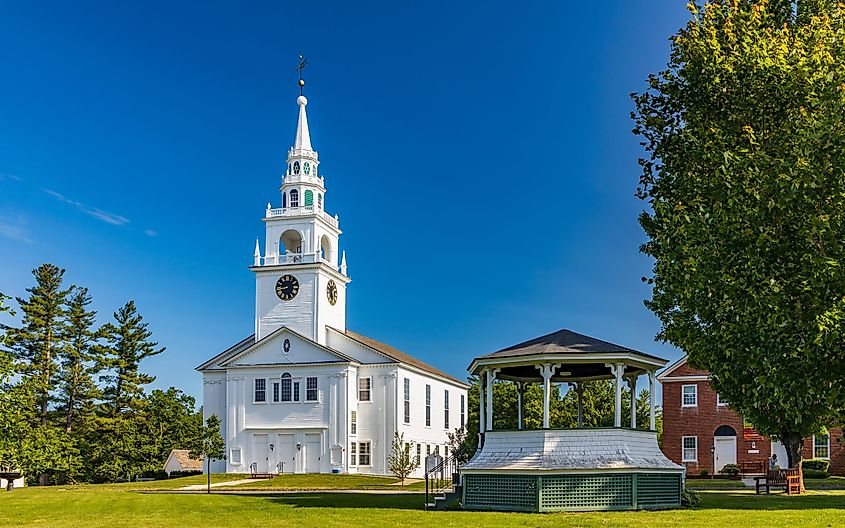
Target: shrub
815	474
157	474
690	498
177	474
703	473
815	464
731	469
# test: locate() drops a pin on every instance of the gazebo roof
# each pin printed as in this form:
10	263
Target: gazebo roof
580	357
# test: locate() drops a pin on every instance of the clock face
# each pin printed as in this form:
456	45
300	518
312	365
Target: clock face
287	287
331	292
296	167
307	168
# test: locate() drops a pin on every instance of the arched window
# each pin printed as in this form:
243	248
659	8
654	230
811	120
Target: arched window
294	198
286	387
320	201
309	197
284	200
725	430
290	242
325	248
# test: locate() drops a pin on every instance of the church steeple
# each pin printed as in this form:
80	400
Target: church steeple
303	136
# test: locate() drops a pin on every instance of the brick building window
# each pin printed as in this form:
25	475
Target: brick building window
689	449
689	396
821	446
720	402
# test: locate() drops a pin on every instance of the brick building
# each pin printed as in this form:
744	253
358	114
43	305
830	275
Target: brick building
701	432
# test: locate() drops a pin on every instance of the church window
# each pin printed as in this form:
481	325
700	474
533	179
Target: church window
235	456
419	451
320	201
689	396
689	449
286	387
821	446
275	392
353	422
363	453
309	198
284	200
364	389
311	393
296	391
260	392
294	198
446	409
407	400
306	167
463	411
427	449
437	450
428	405
353	454
296	167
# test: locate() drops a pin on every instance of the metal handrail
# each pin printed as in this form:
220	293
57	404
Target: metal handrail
444	475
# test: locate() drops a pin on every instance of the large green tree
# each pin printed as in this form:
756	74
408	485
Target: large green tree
35	343
745	179
79	366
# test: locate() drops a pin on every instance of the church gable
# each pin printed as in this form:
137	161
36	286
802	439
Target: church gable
285	346
339	341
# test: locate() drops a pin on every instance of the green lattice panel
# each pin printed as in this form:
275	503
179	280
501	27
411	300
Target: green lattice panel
658	490
586	492
500	492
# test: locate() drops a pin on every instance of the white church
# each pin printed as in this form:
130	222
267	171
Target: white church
302	393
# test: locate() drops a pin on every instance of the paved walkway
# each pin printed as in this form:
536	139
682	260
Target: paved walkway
199	487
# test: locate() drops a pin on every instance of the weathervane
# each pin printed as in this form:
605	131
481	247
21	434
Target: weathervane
302	63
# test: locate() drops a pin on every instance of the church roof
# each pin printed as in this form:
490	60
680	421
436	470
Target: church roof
396	355
183	457
241	345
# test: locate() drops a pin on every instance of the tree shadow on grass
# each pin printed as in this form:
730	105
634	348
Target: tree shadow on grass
745	500
348	500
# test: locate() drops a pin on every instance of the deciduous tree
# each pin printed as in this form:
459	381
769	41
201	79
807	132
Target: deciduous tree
745	180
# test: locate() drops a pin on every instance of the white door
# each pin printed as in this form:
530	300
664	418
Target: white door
312	453
725	452
286	458
780	450
260	453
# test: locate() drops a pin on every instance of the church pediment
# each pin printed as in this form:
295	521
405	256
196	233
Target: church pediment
284	346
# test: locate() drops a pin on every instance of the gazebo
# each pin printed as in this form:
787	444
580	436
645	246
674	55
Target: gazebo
606	468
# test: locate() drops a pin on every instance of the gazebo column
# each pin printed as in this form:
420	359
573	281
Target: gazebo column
579	391
520	392
651	407
491	376
546	370
632	383
481	396
617	369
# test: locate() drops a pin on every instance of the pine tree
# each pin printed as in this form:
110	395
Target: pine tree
79	365
128	344
34	345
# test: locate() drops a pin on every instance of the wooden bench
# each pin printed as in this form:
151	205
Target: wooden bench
789	479
755	467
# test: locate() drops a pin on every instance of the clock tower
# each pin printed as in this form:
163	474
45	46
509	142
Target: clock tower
300	283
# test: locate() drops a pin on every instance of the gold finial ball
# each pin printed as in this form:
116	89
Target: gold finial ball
301	82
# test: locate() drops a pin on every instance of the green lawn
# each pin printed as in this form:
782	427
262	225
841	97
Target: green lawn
94	506
322	482
714	484
169	483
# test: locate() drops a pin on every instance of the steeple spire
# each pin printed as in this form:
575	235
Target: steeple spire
303	136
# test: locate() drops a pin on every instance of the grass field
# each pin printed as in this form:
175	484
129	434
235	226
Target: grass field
106	506
327	482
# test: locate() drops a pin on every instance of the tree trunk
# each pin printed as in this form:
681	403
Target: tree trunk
793	444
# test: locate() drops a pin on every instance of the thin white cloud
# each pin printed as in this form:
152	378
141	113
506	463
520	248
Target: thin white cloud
7	176
99	214
150	233
15	228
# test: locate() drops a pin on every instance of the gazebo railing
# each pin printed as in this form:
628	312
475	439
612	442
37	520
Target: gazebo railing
445	475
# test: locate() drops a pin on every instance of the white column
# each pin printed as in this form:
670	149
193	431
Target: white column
491	376
651	408
632	383
579	391
481	414
520	388
546	370
617	369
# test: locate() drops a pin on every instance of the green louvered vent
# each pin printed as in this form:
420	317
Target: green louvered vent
587	492
658	490
501	492
309	197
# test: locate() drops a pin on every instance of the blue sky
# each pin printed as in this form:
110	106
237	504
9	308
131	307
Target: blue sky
480	160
